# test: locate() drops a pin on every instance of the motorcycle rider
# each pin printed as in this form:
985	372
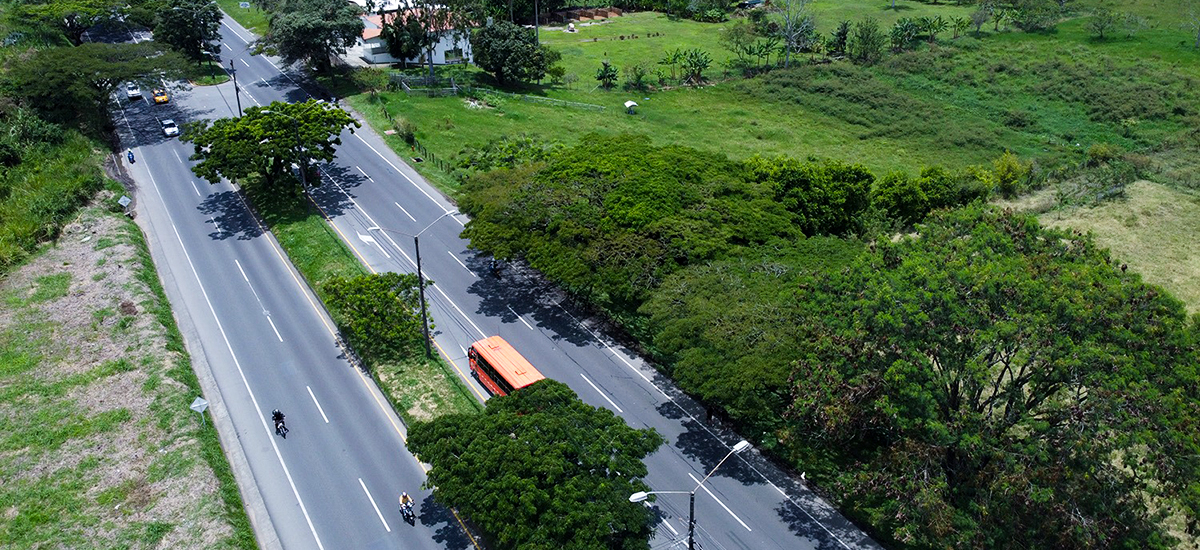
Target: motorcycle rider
278	418
406	503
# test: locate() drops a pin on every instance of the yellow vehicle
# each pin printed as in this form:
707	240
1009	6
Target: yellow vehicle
160	96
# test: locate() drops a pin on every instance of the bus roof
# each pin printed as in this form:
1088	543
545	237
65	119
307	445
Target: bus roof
501	355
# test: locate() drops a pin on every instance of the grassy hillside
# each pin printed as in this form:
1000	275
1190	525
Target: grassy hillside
99	449
1152	229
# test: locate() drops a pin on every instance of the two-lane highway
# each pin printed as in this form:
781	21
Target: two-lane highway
262	341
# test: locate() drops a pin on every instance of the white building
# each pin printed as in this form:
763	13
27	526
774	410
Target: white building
372	49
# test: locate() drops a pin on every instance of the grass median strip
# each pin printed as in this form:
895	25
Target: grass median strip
418	388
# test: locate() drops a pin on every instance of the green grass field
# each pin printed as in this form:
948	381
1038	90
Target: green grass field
957	103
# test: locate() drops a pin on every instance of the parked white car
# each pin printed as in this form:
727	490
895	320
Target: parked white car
133	91
169	128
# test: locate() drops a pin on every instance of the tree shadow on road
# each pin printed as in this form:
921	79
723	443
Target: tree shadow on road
448	530
518	290
229	217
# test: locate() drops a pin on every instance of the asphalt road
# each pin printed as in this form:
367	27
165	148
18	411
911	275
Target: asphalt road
269	345
259	332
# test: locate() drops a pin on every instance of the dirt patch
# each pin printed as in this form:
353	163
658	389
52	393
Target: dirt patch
100	449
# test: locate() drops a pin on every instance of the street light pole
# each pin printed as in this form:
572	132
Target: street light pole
421	290
233	72
420	274
642	495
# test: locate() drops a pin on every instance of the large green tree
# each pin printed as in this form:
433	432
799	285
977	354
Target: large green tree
313	31
265	141
405	35
991	383
192	27
72	86
541	470
73	17
378	313
509	52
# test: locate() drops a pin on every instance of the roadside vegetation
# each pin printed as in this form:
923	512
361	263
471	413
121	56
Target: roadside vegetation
850	351
99	448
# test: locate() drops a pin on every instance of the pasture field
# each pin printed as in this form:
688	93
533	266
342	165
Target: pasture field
1046	96
1152	229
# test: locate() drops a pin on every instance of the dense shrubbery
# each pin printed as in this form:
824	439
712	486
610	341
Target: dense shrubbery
867	361
825	198
47	175
611	218
608	219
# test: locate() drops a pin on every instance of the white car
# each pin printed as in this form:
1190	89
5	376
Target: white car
169	128
133	91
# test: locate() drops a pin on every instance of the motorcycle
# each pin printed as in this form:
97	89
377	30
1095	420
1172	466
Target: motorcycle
129	155
281	429
406	511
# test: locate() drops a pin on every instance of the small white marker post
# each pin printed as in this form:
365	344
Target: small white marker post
199	405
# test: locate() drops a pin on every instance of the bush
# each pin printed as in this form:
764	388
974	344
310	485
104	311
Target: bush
1009	172
1102	153
406	129
1019	118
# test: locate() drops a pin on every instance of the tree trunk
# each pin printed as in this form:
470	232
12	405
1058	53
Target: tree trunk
429	54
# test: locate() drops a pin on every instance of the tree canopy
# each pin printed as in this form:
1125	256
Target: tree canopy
988	380
541	470
265	141
73	17
406	36
72	86
377	313
313	30
509	52
192	27
825	197
611	217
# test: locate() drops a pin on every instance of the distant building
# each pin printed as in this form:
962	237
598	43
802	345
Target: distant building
372	49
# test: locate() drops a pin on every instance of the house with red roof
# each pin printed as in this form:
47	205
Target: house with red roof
452	46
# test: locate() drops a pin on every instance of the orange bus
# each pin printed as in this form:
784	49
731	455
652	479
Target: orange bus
499	367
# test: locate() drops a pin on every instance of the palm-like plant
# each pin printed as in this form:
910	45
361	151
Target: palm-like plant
937	25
